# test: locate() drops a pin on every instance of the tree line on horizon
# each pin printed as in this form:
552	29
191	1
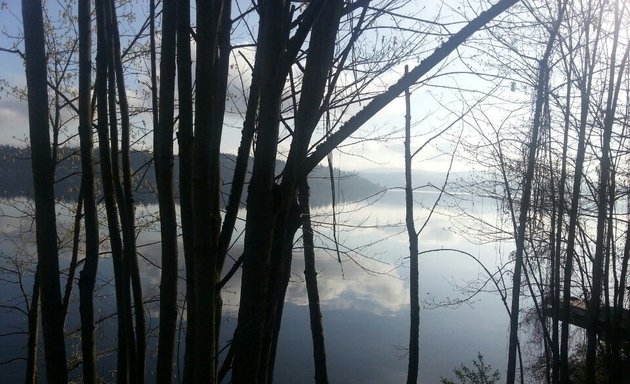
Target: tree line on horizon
17	181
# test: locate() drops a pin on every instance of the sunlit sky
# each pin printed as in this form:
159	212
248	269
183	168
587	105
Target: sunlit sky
433	107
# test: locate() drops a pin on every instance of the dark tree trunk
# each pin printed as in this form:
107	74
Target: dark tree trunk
310	275
280	273
43	180
125	347
72	268
127	209
212	69
617	373
560	203
585	91
414	326
317	68
163	155
87	279
32	376
602	206
185	141
261	210
541	95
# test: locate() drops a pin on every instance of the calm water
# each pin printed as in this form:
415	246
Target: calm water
365	301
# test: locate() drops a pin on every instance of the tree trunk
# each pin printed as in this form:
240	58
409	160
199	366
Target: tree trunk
559	235
163	155
125	348
43	180
262	210
185	141
127	211
87	279
32	376
414	327
310	275
212	68
282	258
617	373
602	205
585	83
541	91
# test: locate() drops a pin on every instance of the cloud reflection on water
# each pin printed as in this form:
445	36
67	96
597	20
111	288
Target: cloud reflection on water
365	313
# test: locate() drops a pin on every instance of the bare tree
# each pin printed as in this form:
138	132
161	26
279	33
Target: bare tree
43	177
163	155
414	325
87	280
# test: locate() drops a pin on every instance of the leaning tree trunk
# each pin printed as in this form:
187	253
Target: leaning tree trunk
43	183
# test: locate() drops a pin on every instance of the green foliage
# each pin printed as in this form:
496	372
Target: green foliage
480	373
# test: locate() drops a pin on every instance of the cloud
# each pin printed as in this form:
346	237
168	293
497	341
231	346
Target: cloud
13	121
377	293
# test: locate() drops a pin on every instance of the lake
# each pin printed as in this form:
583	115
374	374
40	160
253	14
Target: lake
365	300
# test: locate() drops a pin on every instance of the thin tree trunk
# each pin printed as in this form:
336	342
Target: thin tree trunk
32	376
602	204
585	91
414	326
129	358
618	309
120	277
185	141
542	83
76	237
87	279
558	241
43	182
127	211
163	155
310	275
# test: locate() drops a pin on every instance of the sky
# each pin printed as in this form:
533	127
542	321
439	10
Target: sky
13	112
434	106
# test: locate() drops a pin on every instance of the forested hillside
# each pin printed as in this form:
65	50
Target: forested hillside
16	179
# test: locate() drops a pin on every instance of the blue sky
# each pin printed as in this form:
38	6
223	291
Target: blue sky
13	120
428	114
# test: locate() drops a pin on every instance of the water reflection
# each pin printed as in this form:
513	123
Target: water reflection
364	300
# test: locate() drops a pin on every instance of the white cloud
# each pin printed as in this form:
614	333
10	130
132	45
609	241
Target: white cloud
13	122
